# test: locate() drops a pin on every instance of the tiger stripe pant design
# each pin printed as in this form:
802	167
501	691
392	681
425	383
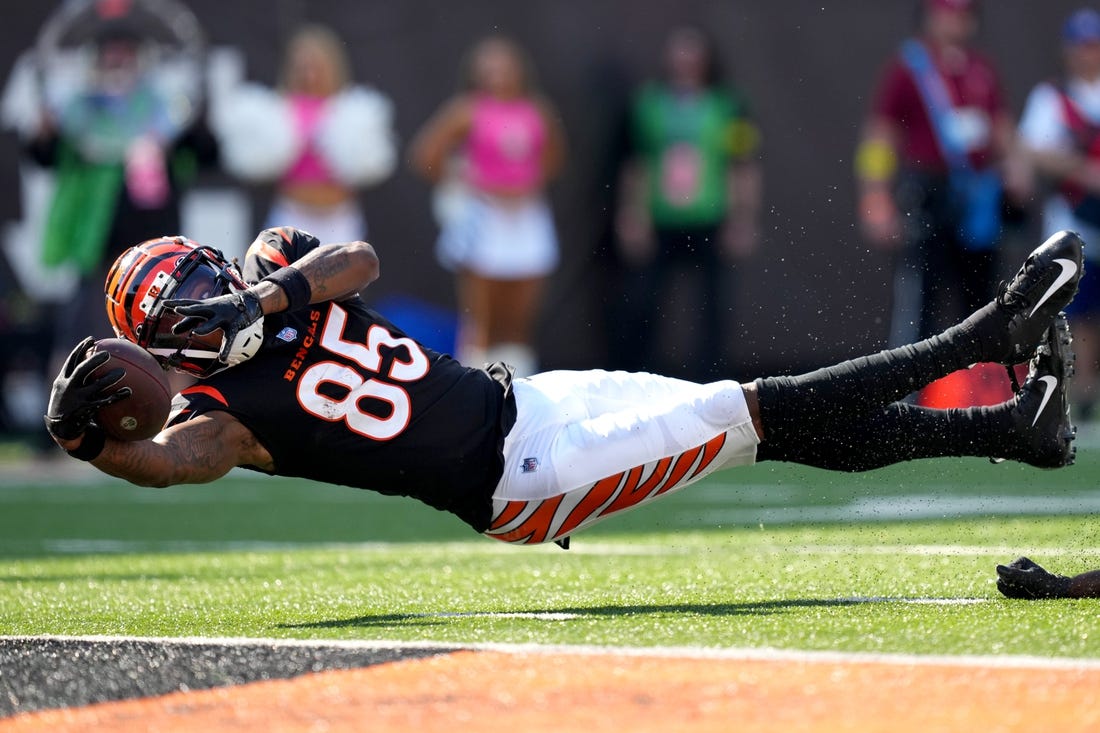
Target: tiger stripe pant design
587	445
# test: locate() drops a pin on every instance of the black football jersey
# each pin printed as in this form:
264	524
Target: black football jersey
339	394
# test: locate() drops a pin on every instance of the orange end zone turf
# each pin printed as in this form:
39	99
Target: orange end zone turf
536	692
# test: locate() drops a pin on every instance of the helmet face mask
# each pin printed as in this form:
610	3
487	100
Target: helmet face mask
147	275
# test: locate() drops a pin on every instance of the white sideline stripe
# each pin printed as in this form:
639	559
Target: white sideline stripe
1009	551
475	546
76	546
560	616
854	600
931	505
766	654
534	615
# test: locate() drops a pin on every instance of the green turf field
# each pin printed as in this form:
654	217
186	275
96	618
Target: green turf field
898	560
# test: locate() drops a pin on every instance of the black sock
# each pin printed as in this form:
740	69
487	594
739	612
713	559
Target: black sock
898	432
795	406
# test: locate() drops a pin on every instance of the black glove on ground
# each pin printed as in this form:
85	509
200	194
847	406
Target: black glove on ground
74	399
1023	578
231	313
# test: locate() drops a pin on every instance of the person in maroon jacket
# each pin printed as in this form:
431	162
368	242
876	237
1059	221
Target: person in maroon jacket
939	133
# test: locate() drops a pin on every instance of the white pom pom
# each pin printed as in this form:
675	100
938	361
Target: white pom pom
451	196
356	138
21	104
256	134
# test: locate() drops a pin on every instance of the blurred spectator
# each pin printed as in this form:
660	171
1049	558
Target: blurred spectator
1060	130
690	195
933	164
119	165
498	234
120	158
107	101
319	136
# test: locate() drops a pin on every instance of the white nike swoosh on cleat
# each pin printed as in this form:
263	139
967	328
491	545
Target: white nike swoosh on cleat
1051	382
1069	269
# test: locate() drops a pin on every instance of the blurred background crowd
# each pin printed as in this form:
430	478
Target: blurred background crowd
703	189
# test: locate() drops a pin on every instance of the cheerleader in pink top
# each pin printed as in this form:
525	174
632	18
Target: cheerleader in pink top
499	238
309	194
318	138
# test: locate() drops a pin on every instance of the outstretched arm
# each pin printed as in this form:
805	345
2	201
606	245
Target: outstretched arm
1023	578
1085	585
194	452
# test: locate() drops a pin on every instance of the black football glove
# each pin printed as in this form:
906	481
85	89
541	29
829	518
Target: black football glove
1023	578
74	399
231	313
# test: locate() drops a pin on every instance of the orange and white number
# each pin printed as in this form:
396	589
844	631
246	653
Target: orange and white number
367	355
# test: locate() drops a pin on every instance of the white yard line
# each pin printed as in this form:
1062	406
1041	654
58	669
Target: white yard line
679	652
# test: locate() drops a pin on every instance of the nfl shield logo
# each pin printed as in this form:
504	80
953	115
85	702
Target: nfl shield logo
288	334
530	465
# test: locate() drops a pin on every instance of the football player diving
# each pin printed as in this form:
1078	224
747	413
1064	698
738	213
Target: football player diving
297	377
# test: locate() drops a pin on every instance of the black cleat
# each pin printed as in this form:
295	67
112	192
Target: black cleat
1041	416
1042	288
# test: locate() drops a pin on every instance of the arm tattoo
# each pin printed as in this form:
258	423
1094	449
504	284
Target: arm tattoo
195	452
321	274
336	271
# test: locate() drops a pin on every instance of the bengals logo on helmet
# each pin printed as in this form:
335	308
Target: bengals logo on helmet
148	274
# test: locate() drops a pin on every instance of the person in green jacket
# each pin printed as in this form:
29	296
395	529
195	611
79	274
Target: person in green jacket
120	155
690	195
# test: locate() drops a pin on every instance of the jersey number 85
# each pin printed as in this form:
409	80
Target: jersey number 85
368	356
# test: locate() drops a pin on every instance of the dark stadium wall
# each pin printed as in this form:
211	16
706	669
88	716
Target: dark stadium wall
811	294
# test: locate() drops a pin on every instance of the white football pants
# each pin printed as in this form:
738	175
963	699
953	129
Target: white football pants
588	444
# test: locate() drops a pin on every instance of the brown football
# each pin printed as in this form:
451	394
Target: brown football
144	412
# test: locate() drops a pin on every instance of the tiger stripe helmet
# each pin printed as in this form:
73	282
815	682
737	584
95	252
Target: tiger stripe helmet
147	274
